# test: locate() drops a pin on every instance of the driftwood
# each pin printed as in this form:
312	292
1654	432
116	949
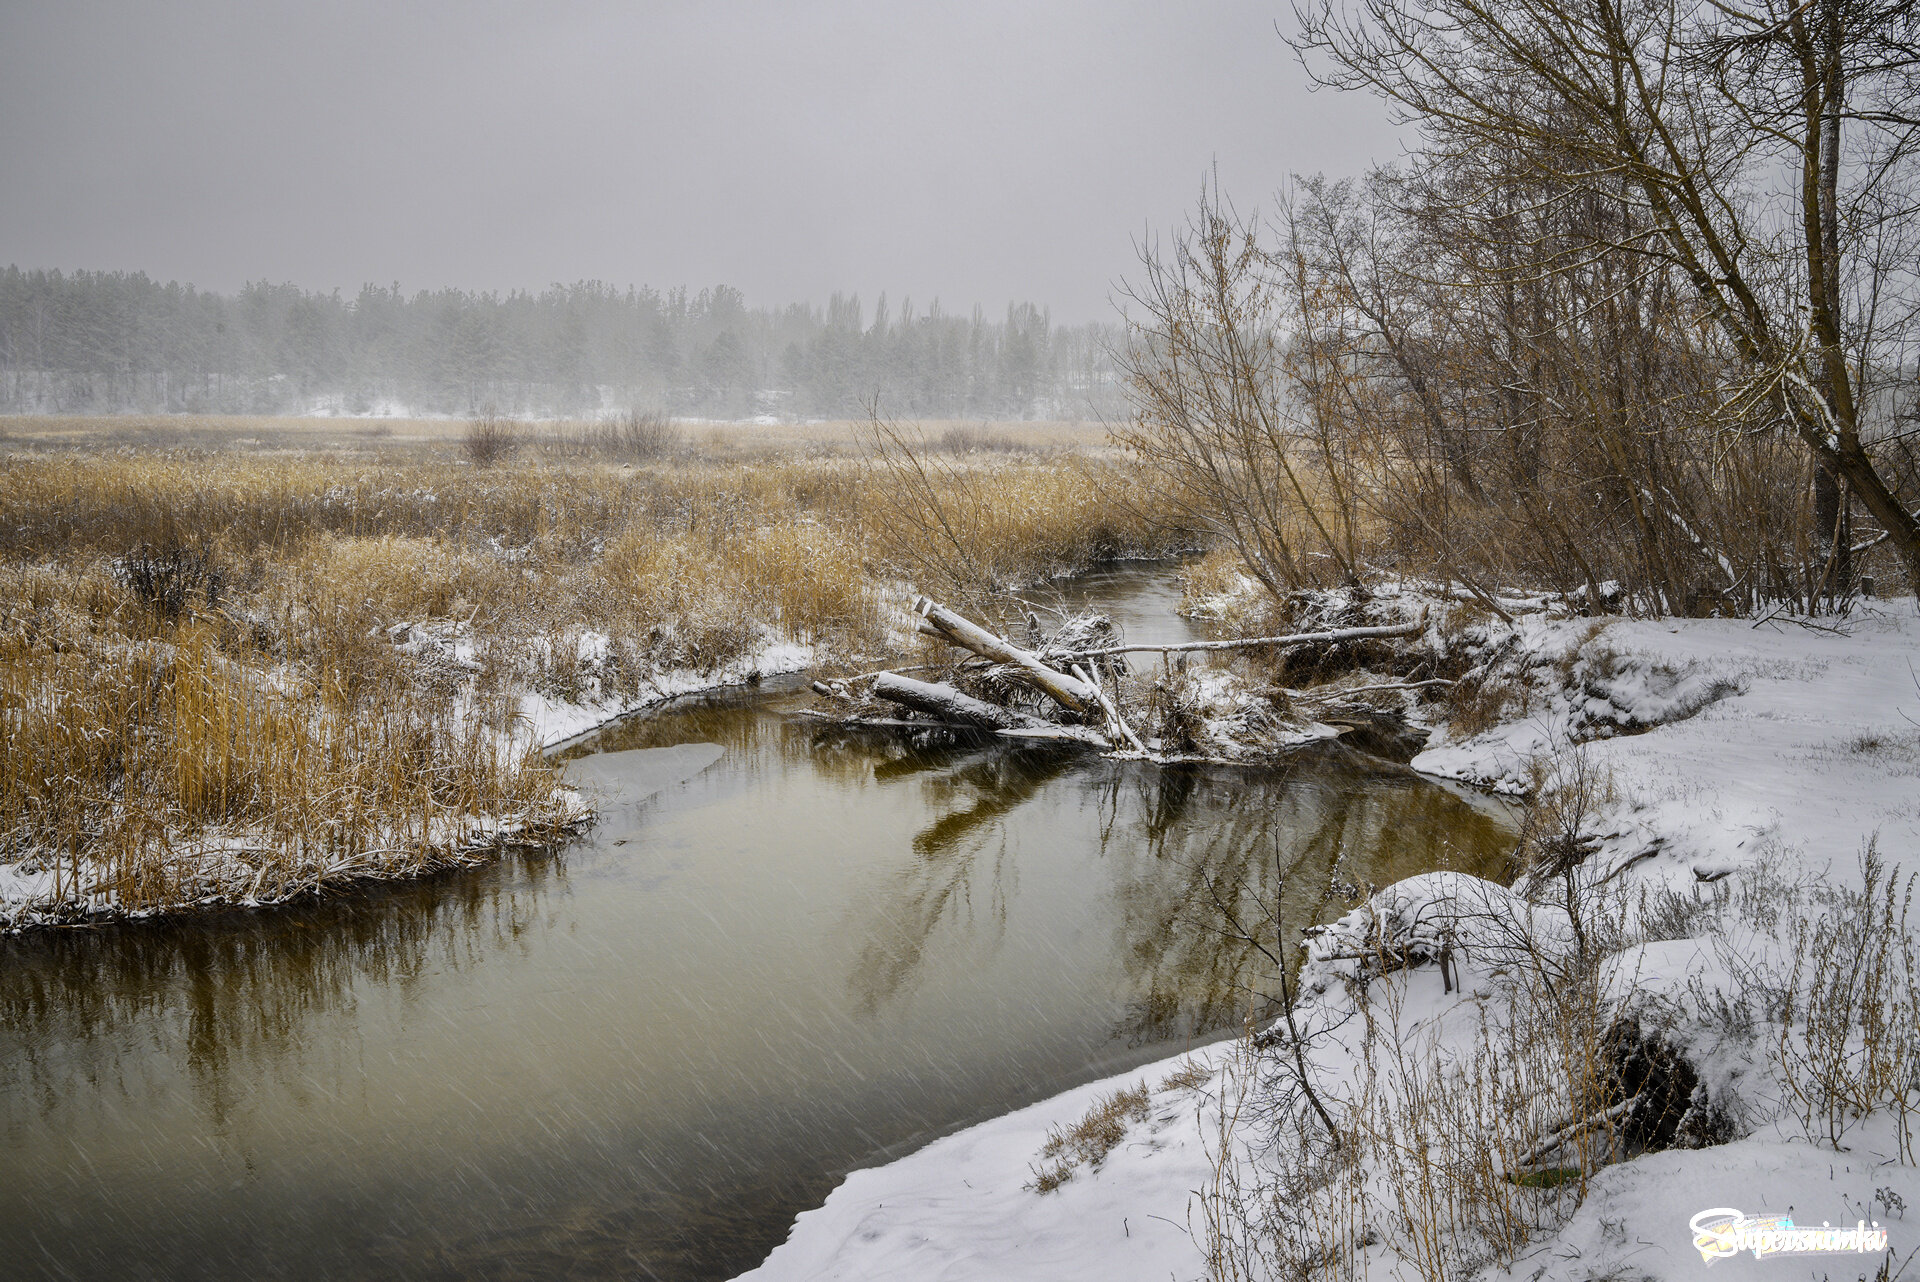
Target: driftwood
1248	643
1070	693
1077	690
948	704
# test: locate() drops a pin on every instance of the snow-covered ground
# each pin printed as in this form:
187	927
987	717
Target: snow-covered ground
554	723
1724	754
963	1206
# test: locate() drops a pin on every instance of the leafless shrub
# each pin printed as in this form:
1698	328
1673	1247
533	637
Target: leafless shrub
1849	1039
1174	713
637	436
490	439
1238	456
1281	1211
168	579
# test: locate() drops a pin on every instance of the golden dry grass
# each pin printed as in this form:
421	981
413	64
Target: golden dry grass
443	436
1089	1140
269	710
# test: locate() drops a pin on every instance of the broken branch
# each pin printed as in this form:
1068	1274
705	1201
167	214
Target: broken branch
1247	643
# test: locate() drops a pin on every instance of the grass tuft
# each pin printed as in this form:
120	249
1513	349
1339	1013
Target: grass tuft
1088	1141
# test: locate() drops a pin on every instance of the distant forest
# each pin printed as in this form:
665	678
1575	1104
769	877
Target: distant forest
111	342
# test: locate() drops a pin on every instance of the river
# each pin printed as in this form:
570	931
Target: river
784	951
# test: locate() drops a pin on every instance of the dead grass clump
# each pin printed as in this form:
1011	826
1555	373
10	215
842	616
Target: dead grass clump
814	581
1477	703
1190	1076
975	438
966	530
1849	1041
168	580
149	773
1088	1141
398	578
490	439
1213	584
313	665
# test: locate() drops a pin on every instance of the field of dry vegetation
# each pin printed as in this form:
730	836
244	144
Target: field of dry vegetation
243	660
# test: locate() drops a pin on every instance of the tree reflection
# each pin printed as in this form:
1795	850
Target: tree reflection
1178	846
1252	845
939	885
232	993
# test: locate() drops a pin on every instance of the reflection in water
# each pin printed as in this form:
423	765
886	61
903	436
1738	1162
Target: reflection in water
646	1056
237	991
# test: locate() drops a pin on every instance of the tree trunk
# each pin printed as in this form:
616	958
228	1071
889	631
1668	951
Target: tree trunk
948	704
1072	694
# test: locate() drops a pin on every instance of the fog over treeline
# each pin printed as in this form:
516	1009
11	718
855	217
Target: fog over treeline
106	342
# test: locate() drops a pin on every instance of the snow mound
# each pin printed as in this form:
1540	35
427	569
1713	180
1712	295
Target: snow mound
1431	918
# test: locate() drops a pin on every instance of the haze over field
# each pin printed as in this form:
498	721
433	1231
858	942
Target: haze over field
989	153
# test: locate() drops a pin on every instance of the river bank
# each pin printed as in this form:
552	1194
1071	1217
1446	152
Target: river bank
774	958
1732	775
231	677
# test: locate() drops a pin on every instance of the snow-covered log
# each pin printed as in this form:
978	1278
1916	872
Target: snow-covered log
1061	734
1069	692
948	704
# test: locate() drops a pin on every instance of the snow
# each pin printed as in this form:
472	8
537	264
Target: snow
1773	751
555	723
962	1208
1422	919
1638	1211
550	721
1813	747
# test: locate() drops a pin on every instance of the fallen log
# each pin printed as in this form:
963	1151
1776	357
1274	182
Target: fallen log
1061	734
1069	692
948	704
1249	643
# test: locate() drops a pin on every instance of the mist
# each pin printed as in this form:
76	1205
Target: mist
984	154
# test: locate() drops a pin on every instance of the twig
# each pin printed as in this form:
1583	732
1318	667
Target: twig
1567	1133
1113	713
1248	643
1331	693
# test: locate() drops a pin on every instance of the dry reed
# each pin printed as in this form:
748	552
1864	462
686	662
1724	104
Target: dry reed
233	676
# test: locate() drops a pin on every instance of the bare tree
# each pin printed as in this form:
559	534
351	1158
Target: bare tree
1243	458
1691	114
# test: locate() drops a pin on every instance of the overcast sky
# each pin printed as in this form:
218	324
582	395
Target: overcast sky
978	151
